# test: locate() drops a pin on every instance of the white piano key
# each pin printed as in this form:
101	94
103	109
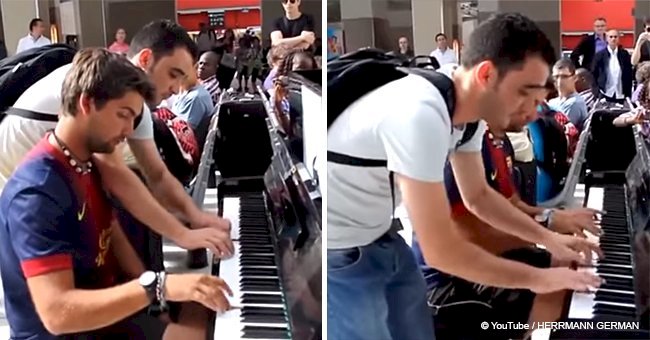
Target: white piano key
229	325
231	212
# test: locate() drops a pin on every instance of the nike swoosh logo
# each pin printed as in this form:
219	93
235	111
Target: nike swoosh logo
494	175
82	213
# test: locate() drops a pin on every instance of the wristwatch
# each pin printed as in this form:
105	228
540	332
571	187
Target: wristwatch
149	281
545	217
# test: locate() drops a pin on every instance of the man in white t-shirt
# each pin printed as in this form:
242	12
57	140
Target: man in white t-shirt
443	53
35	37
167	53
375	289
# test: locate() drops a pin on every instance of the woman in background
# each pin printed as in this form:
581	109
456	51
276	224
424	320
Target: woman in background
119	45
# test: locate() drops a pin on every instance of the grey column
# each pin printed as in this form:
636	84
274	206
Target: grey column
641	11
272	9
546	13
365	25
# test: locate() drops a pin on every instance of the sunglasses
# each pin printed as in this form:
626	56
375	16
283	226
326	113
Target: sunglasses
290	1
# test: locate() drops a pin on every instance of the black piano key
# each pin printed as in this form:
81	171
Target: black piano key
274	319
251	332
614	297
254	310
606	248
270	299
259	280
616	259
259	288
617	280
258	272
605	269
258	262
600	308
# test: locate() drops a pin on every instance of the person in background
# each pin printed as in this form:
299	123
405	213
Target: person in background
244	61
642	75
612	70
294	29
568	100
35	37
206	39
257	63
275	57
590	45
586	87
641	51
443	53
228	65
404	49
207	71
194	102
119	45
640	114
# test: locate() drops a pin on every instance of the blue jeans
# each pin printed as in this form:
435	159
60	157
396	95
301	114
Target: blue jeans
376	292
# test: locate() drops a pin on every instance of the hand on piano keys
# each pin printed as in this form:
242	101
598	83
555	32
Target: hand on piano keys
576	221
570	248
218	241
205	289
558	278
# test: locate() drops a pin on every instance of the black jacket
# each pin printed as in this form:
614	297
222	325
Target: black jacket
601	69
587	49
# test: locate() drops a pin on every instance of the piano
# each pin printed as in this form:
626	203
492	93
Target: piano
275	271
625	197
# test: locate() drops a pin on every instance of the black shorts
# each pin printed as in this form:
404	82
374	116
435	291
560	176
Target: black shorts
459	306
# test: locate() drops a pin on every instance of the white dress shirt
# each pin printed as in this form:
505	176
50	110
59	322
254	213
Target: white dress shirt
28	42
448	56
614	87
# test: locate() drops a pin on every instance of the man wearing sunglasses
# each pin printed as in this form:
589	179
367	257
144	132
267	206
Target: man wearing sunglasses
294	29
568	100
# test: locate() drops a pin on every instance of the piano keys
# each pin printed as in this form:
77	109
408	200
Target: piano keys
625	295
275	271
253	275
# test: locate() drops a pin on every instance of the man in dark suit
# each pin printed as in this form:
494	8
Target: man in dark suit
590	45
612	70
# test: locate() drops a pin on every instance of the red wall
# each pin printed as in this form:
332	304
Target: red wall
203	4
191	21
579	15
232	19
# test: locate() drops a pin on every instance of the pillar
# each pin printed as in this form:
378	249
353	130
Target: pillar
546	13
365	25
272	9
427	22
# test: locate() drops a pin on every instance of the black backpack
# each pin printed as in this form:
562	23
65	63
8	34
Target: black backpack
353	75
356	74
19	72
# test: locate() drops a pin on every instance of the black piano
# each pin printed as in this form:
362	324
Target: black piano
275	272
611	172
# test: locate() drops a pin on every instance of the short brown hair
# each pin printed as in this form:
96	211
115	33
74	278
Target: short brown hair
103	76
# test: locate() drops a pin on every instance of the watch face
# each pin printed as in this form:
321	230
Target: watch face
147	278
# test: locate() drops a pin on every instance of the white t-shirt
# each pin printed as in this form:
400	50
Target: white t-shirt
19	135
405	122
446	57
28	42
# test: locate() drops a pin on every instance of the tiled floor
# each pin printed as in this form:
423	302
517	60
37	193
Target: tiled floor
174	262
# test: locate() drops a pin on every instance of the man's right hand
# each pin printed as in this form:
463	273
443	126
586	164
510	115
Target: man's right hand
572	248
217	240
207	290
557	279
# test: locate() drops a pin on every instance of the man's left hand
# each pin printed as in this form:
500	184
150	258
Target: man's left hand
576	221
208	220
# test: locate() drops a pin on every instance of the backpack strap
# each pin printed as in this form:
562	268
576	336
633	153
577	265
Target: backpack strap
28	114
